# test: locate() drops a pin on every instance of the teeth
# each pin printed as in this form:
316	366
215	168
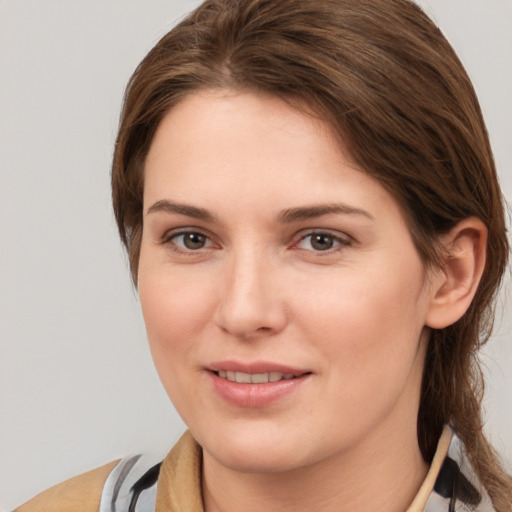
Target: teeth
243	377
274	376
259	378
255	378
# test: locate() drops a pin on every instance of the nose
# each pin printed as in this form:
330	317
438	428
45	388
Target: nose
250	303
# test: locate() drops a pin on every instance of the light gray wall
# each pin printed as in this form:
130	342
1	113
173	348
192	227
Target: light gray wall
77	386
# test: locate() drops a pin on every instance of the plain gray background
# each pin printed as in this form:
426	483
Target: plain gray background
77	385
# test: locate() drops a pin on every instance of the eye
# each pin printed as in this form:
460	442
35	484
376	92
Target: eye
188	241
320	242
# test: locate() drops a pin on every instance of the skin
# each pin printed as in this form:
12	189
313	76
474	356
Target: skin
259	289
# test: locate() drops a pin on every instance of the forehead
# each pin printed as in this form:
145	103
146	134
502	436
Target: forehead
220	146
232	116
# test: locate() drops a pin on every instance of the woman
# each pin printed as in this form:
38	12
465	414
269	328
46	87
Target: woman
308	198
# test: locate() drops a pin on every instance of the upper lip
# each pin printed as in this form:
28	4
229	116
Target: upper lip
255	367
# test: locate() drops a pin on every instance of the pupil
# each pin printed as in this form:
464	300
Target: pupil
322	242
194	241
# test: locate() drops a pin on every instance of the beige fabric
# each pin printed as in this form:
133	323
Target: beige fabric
179	483
79	494
427	487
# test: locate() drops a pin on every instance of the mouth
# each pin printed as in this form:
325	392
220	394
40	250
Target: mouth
257	384
257	378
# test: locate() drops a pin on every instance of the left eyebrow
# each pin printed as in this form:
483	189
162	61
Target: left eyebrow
313	211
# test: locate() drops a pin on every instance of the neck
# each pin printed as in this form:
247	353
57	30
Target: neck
381	473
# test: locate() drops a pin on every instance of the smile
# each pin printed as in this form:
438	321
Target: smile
257	384
254	378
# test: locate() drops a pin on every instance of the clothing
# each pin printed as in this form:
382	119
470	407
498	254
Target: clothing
141	484
80	494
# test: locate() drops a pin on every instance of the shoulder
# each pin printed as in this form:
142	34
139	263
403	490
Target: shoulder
80	494
130	483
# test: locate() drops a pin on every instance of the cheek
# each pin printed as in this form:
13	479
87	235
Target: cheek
176	309
368	326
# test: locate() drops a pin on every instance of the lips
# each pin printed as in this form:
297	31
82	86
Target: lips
255	378
255	384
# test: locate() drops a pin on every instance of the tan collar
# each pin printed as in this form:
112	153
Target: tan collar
419	502
179	483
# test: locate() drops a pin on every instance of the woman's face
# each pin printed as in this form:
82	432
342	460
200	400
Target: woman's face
283	297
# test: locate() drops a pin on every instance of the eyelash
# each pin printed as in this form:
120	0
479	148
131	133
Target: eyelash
338	242
169	240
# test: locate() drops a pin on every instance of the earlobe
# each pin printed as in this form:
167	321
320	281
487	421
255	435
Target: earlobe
455	285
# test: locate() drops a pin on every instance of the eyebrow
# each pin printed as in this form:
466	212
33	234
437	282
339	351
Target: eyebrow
310	212
284	217
182	209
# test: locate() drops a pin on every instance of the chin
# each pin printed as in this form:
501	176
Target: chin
259	452
258	460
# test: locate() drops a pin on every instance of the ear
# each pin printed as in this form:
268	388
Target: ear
455	285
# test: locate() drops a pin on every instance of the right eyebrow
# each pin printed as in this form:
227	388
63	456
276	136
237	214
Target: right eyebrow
165	205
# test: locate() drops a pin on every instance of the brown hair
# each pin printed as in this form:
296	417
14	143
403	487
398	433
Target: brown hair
388	81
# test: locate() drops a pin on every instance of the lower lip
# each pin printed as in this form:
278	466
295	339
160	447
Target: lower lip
255	395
